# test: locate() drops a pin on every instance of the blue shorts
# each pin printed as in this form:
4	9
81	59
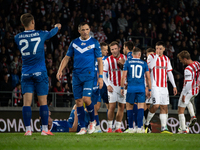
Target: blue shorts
96	95
138	97
60	126
104	94
38	82
82	86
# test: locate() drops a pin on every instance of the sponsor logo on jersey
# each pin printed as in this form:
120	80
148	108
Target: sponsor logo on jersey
87	89
83	44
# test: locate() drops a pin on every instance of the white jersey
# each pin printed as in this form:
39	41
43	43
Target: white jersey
113	69
159	66
192	73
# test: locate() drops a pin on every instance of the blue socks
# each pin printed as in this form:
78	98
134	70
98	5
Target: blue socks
81	116
27	114
135	111
130	118
140	115
96	117
90	110
44	114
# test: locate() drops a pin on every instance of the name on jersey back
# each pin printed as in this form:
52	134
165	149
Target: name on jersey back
133	61
29	35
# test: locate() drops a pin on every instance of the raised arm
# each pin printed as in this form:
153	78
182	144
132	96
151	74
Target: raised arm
53	31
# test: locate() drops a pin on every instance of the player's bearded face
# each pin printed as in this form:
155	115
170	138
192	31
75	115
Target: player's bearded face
159	50
84	32
115	51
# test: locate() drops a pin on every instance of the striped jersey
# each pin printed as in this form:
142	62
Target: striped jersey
159	66
113	69
192	73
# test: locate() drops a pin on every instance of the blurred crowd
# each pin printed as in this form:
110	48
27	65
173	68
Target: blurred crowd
176	22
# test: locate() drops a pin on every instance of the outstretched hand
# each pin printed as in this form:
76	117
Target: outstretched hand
58	25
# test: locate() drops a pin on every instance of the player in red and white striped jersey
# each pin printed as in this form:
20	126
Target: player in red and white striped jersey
113	83
190	88
160	68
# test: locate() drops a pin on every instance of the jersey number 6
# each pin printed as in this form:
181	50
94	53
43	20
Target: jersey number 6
27	45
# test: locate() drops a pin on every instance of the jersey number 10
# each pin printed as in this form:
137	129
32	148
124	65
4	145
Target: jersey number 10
135	71
27	45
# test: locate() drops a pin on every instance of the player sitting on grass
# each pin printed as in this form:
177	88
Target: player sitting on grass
71	125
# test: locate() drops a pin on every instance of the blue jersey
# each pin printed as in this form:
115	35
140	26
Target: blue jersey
71	119
63	126
96	72
136	70
60	126
84	52
129	55
31	46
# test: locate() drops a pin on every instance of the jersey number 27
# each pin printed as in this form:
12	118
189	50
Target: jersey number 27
27	45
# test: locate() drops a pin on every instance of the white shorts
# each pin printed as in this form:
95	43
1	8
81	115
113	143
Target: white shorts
116	97
160	96
149	101
189	97
125	92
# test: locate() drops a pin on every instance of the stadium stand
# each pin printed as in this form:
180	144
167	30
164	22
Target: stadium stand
142	21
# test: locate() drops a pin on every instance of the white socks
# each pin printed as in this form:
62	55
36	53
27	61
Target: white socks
163	120
118	125
191	109
149	117
45	128
98	127
28	128
182	121
110	124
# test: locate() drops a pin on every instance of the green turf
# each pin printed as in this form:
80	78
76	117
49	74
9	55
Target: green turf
110	141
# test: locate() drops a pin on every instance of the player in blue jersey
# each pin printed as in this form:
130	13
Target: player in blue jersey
85	50
103	91
127	49
96	99
97	94
136	70
71	125
34	73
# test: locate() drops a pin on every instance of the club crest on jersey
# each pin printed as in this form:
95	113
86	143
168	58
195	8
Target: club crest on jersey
89	47
83	43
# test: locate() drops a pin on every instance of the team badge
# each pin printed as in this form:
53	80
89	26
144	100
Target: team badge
89	47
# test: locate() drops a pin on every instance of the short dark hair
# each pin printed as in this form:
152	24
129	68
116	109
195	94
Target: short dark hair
82	24
114	43
150	50
184	54
129	44
136	50
160	43
26	19
103	44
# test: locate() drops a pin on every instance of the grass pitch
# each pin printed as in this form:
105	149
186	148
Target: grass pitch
110	141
